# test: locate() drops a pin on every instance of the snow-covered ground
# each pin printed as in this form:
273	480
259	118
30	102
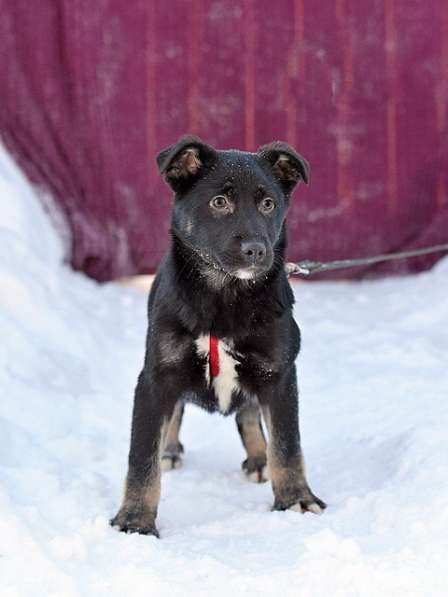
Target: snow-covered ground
374	414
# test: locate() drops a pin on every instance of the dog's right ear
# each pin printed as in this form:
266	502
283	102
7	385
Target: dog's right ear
185	161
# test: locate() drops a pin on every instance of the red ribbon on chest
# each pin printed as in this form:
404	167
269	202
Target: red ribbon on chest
214	356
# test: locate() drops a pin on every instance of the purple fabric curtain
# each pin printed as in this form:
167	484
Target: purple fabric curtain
90	91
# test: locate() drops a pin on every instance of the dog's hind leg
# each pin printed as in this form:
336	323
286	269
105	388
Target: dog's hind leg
248	420
171	456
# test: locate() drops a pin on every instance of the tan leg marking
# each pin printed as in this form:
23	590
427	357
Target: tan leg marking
173	428
170	457
249	427
288	478
141	499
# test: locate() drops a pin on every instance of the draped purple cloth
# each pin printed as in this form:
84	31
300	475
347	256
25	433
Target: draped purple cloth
90	91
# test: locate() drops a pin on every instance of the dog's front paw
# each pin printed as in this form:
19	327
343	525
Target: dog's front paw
134	522
305	502
255	469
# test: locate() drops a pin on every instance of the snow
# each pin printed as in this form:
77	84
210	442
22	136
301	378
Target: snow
374	416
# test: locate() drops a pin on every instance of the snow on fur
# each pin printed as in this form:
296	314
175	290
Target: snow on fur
374	410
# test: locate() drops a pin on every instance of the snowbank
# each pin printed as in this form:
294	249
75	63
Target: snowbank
374	386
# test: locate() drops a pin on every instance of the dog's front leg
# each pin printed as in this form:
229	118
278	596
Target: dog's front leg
142	489
285	460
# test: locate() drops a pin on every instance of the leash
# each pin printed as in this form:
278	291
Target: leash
307	267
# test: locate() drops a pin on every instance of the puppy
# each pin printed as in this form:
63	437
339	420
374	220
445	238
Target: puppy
220	327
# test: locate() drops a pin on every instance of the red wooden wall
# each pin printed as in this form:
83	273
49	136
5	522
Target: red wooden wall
90	91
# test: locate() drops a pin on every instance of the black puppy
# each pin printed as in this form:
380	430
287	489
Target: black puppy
221	331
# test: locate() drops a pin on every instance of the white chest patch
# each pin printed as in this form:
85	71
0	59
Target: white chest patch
227	379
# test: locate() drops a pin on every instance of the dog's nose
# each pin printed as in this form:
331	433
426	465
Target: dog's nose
254	252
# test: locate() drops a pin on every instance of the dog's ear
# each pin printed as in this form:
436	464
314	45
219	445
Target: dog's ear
286	164
185	161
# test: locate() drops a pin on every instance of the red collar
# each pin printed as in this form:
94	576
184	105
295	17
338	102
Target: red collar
214	356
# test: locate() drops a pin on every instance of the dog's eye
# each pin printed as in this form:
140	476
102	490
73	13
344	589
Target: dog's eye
220	202
267	205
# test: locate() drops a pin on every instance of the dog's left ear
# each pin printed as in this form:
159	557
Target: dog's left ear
286	164
185	161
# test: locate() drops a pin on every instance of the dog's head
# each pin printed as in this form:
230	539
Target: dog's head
230	205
